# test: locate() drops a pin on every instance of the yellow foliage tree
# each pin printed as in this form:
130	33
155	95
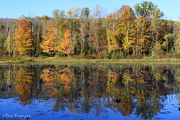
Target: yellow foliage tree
126	28
142	37
113	43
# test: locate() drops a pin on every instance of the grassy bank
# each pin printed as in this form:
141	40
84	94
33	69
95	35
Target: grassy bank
55	60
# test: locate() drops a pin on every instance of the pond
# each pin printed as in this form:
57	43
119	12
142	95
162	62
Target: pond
89	91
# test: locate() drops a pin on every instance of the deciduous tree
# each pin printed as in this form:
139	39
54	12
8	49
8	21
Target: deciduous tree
113	43
23	38
49	37
65	43
126	28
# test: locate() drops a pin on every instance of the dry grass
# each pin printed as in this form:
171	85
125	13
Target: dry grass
55	60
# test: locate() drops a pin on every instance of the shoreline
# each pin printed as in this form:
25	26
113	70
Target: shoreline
54	60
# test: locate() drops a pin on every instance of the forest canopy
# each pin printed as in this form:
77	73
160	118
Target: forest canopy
133	32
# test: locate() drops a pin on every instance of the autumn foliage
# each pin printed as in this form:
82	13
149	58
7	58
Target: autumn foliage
49	38
113	43
85	33
65	43
23	38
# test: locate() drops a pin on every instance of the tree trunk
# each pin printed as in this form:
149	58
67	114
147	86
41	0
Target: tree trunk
9	42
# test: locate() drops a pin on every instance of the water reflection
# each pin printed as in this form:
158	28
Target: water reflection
137	92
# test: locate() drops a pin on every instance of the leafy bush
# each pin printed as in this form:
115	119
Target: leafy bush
103	55
117	55
177	55
82	55
157	53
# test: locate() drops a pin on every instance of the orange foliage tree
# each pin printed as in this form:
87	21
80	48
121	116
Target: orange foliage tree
49	38
65	43
23	38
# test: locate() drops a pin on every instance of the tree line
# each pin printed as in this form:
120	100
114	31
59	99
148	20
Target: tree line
92	34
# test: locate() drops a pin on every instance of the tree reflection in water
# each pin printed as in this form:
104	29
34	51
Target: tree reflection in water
137	90
23	84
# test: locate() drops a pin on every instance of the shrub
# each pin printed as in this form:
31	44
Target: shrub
103	55
82	55
157	53
117	55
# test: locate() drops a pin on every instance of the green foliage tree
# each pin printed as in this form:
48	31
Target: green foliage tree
84	30
144	9
2	39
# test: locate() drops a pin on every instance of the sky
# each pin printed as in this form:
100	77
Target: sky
33	8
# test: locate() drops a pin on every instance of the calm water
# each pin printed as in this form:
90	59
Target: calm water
89	92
